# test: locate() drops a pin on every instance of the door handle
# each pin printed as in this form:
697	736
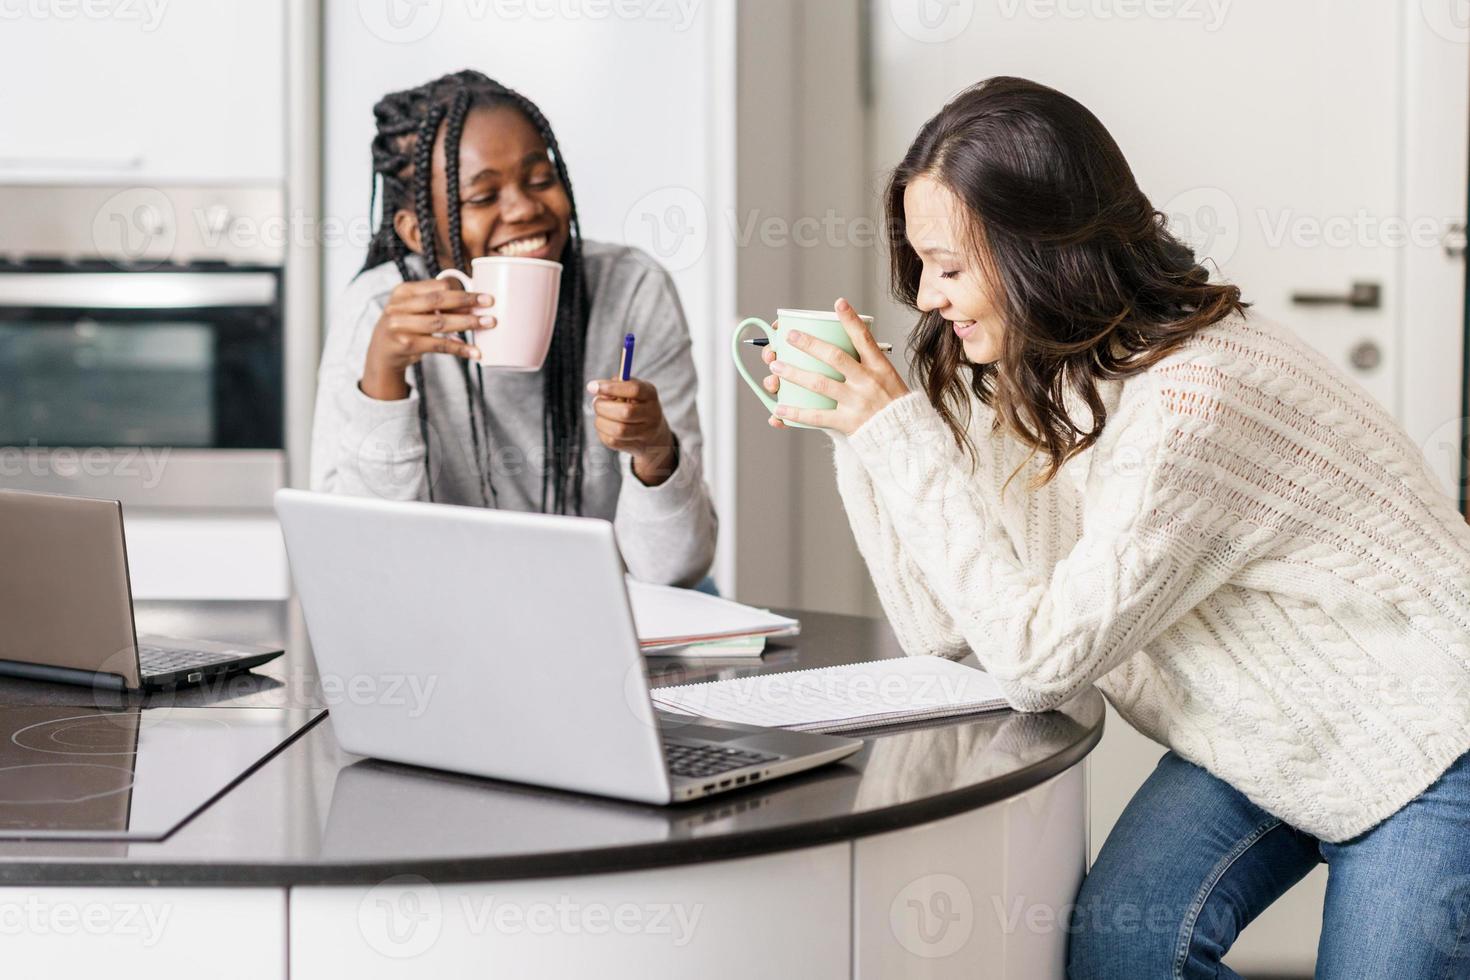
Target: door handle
1362	296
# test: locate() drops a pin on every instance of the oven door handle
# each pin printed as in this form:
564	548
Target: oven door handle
138	290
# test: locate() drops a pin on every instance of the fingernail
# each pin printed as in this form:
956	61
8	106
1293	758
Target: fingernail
474	353
842	306
486	299
487	321
796	335
592	387
777	367
782	411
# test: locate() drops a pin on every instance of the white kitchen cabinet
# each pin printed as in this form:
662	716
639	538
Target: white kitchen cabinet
144	933
141	91
777	915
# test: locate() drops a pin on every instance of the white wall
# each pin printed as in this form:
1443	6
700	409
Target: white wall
640	94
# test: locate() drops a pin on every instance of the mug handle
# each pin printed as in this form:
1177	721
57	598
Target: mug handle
755	385
464	280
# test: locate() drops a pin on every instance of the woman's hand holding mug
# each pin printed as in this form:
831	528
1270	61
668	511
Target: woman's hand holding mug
867	385
421	317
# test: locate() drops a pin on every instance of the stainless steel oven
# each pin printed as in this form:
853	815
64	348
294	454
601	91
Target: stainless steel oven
157	379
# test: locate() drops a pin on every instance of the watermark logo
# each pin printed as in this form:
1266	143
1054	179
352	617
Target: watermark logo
1207	220
932	916
147	14
401	917
33	916
400	21
1450	19
1210	14
671	224
932	21
137	226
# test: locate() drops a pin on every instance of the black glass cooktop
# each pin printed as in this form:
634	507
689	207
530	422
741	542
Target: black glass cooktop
128	773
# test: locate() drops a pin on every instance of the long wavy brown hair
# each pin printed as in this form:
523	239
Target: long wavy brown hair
1089	282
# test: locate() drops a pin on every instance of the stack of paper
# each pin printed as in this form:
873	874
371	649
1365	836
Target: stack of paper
668	618
841	699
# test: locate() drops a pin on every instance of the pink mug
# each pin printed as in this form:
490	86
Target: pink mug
526	292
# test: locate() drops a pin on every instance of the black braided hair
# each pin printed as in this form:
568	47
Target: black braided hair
407	124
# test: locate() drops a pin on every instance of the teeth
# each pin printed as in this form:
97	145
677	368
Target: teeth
522	246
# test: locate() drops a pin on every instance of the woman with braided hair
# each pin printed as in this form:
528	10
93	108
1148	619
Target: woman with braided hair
465	168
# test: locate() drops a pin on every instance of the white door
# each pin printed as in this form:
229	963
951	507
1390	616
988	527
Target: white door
1302	148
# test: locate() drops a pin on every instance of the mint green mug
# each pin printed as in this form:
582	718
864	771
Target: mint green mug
817	323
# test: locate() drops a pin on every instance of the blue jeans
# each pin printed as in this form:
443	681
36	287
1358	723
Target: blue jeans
1192	862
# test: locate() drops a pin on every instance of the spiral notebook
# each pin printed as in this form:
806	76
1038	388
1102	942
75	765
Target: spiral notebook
842	699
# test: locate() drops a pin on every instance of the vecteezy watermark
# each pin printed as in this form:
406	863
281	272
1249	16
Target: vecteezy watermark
393	690
144	463
932	21
1209	13
34	916
404	916
671	224
568	917
1360	229
1450	19
407	21
1207	220
401	917
932	916
137	226
147	14
400	21
298	229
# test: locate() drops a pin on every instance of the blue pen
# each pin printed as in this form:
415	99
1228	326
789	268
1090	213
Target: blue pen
627	357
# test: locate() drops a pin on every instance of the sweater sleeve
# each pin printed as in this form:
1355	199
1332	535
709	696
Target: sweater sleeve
1148	552
666	532
360	445
922	625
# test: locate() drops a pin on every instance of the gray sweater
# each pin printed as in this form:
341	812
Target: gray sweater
366	447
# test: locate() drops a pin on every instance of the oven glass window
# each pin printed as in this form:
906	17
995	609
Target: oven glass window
94	383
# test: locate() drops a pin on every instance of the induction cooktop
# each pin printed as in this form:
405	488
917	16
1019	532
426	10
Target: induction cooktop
128	773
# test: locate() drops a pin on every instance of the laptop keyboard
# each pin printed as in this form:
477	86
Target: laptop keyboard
157	660
698	759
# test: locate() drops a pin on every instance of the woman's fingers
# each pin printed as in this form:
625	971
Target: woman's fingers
430	323
631	390
829	354
622	435
618	410
441	300
415	346
771	383
818	384
857	330
822	418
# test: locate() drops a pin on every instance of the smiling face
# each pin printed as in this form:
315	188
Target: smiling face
511	200
952	283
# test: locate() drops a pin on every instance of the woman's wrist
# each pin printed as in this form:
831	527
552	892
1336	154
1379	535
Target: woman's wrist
384	388
655	466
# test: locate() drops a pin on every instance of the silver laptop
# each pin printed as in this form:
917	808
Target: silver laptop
66	605
502	644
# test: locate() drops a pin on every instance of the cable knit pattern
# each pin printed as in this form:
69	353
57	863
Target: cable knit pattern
1253	563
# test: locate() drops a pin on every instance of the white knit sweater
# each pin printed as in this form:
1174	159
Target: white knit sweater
1253	563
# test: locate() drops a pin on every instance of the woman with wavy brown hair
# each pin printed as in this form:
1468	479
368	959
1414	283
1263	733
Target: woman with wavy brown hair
1232	540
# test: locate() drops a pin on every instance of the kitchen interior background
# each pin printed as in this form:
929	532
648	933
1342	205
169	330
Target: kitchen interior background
192	179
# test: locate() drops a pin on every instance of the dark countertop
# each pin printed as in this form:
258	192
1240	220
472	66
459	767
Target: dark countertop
315	815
